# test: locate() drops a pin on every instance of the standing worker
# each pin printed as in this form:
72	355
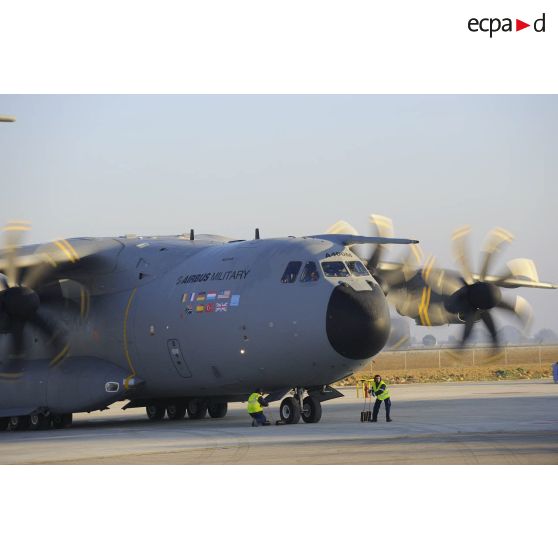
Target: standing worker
555	372
256	402
380	390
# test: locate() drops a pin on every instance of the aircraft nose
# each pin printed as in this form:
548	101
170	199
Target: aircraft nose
357	322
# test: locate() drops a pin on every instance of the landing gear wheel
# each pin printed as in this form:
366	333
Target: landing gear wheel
38	421
217	410
18	423
4	421
155	411
62	421
311	409
176	411
289	410
196	409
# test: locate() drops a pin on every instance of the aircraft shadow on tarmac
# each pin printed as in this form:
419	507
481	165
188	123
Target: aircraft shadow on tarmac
467	414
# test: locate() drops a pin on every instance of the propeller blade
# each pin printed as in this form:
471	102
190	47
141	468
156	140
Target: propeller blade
48	257
489	323
77	295
519	308
17	349
523	268
37	275
50	292
74	297
56	335
44	325
493	244
414	257
342	227
13	235
382	224
392	275
441	281
461	253
383	227
406	302
469	323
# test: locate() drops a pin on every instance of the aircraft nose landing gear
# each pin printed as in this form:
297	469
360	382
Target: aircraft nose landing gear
309	408
297	406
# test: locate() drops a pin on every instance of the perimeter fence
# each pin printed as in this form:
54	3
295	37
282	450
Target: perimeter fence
509	356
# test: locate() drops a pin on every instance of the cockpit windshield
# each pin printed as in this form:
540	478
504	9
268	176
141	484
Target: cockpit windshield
291	272
357	268
335	269
310	272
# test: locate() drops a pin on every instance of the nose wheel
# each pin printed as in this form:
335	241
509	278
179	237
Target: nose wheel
290	410
294	408
311	409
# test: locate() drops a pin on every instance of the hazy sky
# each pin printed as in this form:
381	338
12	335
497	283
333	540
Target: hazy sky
291	165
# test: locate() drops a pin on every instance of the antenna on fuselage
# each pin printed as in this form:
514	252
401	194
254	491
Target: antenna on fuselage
257	236
191	234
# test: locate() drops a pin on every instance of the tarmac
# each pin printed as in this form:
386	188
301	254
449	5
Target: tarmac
451	423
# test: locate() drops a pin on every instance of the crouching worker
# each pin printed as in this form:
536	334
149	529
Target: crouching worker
380	390
256	402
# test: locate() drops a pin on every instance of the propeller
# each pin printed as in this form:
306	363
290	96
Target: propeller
473	297
29	296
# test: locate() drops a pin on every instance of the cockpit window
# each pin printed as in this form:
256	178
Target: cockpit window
335	269
357	268
291	272
310	272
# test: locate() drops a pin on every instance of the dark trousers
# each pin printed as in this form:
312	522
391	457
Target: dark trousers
377	405
259	417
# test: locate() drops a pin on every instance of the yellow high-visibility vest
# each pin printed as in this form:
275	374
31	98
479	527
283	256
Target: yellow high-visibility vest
253	403
376	387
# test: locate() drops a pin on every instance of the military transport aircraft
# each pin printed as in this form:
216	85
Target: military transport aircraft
182	324
186	324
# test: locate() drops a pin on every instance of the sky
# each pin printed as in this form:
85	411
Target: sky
106	165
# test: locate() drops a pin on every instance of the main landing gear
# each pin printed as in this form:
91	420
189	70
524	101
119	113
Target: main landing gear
295	407
36	421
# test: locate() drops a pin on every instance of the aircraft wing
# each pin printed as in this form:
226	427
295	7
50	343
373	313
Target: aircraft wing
512	282
351	239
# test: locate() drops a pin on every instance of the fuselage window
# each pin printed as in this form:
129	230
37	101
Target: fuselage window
291	272
310	272
335	269
357	268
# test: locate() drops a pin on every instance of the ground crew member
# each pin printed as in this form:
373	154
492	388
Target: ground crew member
380	390
555	372
256	402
